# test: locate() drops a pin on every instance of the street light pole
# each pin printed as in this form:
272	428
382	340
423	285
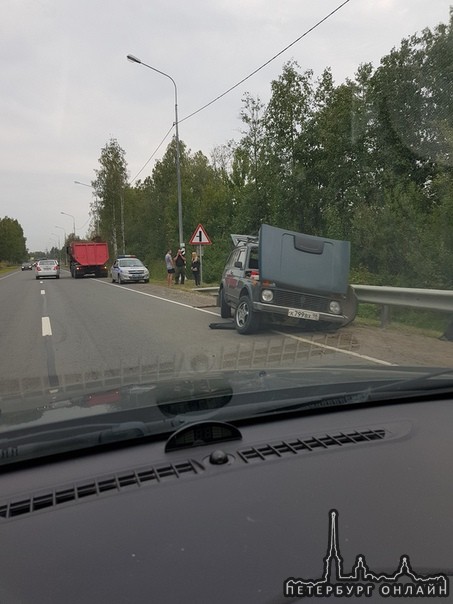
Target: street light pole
59	246
73	220
178	162
65	242
122	220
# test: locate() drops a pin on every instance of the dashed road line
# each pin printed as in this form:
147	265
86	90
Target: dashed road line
45	326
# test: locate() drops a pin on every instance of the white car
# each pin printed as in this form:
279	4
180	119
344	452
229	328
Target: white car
129	269
47	268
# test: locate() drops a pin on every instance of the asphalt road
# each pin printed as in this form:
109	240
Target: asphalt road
56	333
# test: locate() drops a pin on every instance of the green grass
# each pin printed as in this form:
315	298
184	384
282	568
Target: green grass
5	269
409	320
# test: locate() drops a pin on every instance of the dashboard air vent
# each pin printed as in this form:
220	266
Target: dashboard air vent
312	443
96	487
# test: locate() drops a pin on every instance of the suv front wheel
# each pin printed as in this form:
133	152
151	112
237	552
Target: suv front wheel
246	320
225	310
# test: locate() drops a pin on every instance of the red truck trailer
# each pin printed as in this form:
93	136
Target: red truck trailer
88	258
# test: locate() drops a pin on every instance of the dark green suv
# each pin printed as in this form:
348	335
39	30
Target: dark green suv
286	277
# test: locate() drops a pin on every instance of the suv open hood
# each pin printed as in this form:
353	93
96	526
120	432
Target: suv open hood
297	260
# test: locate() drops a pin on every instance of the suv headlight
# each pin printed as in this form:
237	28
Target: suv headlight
335	307
267	295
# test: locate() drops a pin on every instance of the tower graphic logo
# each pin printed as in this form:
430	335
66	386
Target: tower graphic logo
362	581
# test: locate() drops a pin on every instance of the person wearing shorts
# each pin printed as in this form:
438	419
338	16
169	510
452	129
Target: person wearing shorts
170	267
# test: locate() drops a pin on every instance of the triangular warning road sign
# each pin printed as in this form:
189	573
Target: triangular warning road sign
200	237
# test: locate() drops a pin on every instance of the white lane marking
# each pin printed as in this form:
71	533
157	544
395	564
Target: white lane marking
334	349
46	328
209	312
10	274
43	291
286	335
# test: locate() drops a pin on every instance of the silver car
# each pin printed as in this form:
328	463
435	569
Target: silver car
47	268
129	269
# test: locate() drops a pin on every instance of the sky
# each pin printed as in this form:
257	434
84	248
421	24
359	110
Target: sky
67	87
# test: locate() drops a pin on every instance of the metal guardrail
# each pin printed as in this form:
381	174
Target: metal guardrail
386	297
432	299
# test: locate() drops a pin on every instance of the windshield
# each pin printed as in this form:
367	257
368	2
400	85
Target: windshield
131	262
284	171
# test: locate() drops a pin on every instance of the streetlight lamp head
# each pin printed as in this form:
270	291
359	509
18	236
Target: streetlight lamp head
133	59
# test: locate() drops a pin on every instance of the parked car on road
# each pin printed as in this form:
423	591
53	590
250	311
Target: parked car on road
129	269
47	268
286	277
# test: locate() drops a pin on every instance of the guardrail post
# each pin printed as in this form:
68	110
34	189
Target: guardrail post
385	315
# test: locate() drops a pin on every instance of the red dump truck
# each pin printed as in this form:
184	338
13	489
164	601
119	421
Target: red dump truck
88	258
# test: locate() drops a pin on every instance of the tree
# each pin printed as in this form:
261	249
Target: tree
110	185
370	160
12	241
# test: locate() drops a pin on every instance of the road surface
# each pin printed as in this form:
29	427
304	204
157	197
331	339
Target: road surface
59	333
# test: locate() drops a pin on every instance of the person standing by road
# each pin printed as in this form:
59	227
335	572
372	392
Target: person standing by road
195	268
170	267
180	267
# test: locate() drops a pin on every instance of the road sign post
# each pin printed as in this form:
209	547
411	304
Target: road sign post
199	238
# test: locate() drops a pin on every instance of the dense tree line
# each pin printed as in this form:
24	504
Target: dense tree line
369	160
12	241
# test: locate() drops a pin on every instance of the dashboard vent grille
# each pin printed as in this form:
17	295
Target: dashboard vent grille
96	487
312	443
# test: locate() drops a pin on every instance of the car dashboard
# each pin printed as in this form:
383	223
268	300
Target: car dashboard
312	504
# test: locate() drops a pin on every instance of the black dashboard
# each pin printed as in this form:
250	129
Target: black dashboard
360	498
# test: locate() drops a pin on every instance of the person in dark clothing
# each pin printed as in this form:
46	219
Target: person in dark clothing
180	267
195	268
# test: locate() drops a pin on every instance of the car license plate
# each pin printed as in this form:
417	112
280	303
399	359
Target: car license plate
303	314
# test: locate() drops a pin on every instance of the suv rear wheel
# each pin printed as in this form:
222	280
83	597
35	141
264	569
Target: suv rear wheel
246	320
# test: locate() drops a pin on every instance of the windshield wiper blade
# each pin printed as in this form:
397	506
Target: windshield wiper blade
341	399
418	384
395	390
